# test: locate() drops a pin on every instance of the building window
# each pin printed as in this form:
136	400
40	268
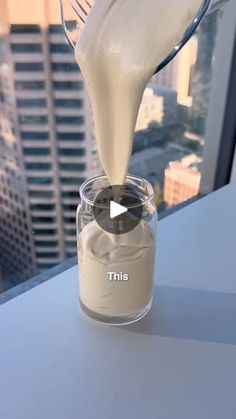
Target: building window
21	29
71	244
50	255
72	166
29	85
71	136
56	29
31	135
33	119
28	67
65	67
37	151
26	48
70	24
68	152
68	103
60	49
69	207
42	207
71	180
37	166
71	232
70	194
70	253
41	194
31	103
68	85
46	243
70	120
39	180
43	220
45	232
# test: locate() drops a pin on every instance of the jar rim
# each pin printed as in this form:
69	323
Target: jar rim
128	177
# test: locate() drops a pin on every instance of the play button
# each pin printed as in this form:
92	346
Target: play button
118	208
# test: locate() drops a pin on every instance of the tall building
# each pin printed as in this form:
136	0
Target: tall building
17	256
186	61
169	104
178	74
151	110
190	73
182	180
151	161
202	76
167	76
54	124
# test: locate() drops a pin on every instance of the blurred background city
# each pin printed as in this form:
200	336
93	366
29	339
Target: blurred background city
47	145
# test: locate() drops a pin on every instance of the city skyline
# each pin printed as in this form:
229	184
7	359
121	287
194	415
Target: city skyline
53	127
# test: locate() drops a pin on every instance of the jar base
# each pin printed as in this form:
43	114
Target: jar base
115	320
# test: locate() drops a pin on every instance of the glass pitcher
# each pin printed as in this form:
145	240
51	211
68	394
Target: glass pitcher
79	9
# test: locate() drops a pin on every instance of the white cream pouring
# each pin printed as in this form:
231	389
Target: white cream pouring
118	51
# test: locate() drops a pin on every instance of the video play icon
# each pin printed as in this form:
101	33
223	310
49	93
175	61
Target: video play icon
118	208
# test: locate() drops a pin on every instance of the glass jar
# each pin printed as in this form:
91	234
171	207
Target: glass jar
116	270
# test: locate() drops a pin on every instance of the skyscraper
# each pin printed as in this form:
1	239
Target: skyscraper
202	76
151	110
54	124
182	180
17	256
169	104
177	75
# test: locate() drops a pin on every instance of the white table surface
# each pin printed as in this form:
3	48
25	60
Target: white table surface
177	363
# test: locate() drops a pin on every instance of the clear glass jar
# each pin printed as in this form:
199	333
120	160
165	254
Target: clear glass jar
116	270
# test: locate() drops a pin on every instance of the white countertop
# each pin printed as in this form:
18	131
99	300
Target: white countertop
177	363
